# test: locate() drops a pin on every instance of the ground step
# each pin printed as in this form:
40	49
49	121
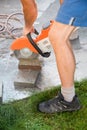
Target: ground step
33	64
75	41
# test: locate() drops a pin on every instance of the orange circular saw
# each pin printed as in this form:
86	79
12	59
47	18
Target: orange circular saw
29	47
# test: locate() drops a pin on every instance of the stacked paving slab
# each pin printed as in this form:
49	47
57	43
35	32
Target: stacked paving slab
28	71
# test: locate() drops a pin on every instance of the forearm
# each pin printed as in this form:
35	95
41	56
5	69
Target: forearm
30	12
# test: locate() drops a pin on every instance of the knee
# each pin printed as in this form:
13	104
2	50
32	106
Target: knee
57	36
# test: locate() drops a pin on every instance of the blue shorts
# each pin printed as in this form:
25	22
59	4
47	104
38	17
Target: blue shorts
73	12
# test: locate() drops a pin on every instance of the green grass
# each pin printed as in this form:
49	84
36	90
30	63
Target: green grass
24	115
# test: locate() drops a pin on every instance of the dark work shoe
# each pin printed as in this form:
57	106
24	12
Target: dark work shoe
58	104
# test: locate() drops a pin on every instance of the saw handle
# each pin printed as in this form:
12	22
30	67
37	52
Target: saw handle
46	54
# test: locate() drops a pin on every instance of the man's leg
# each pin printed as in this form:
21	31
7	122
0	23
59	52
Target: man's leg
64	57
59	37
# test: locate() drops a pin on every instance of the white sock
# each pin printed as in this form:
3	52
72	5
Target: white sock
68	93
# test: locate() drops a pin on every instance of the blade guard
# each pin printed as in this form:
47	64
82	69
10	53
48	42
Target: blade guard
21	43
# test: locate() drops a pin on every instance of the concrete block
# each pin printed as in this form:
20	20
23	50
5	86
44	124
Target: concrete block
1	91
74	39
33	64
26	78
75	43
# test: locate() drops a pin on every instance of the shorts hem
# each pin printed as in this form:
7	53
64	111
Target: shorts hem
65	19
